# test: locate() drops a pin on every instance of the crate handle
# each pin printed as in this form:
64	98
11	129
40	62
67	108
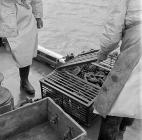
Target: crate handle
68	135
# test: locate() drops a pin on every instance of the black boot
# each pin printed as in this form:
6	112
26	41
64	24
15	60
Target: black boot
24	83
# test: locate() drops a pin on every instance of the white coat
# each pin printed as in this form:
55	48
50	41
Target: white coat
8	15
123	14
18	25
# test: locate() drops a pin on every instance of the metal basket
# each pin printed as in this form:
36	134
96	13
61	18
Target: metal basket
72	92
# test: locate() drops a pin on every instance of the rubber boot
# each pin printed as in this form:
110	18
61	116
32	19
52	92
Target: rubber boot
24	83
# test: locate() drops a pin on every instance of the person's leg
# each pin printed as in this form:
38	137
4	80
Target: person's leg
1	42
109	128
125	122
25	84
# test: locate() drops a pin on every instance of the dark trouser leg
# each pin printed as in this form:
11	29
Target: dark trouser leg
126	122
1	42
25	84
110	128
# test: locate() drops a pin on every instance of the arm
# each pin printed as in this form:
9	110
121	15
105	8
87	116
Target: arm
113	28
37	10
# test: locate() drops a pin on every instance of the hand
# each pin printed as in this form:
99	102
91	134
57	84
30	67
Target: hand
39	23
23	3
101	56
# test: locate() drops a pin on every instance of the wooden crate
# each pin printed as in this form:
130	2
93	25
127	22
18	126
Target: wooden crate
41	120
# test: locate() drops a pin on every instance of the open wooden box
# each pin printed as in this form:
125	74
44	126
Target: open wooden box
41	120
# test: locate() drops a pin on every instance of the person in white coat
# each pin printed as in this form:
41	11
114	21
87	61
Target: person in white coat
119	99
19	20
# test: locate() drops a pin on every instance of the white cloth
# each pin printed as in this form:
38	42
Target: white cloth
8	15
24	46
129	102
121	14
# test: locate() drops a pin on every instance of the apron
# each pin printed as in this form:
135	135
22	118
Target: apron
120	93
24	45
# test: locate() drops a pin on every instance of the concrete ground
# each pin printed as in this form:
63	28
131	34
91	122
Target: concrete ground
38	71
